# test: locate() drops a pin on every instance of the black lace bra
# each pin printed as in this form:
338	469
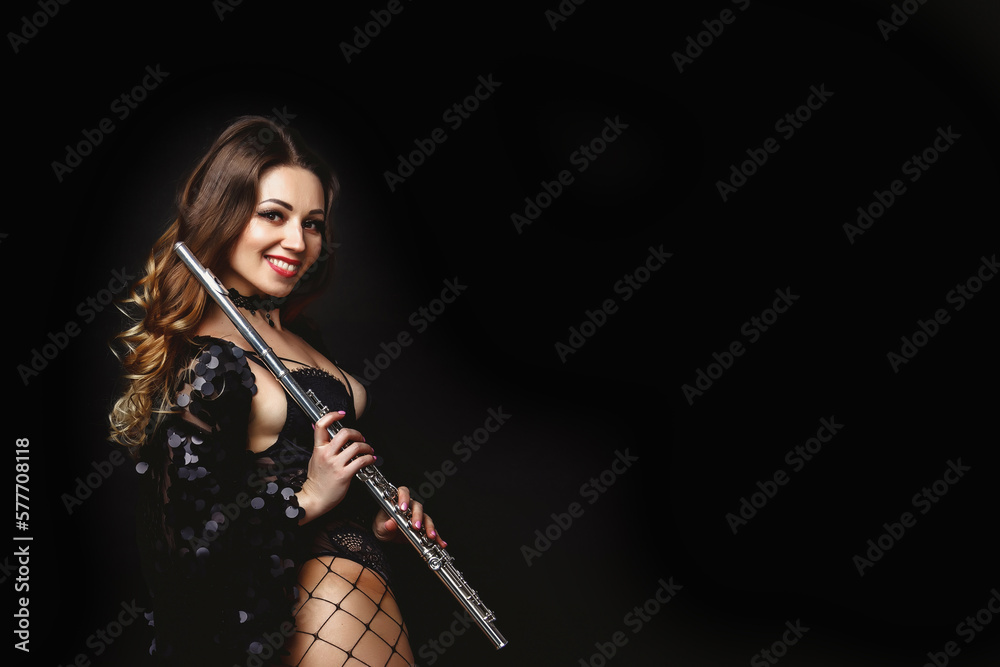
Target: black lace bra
346	530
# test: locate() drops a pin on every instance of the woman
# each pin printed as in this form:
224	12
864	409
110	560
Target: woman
257	548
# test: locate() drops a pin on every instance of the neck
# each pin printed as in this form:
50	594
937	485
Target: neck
259	308
262	320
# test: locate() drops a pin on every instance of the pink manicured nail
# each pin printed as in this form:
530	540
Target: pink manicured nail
341	412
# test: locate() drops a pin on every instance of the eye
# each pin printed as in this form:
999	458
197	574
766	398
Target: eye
313	223
272	215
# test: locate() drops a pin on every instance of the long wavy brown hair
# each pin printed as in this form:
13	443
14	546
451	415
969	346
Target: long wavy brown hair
166	304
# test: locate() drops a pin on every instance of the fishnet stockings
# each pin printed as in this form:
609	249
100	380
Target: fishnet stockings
346	616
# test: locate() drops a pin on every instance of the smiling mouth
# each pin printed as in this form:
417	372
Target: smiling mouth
287	268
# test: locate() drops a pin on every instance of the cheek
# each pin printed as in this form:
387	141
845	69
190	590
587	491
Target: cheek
248	243
315	249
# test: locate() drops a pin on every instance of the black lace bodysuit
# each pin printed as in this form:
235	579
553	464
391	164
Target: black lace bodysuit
219	529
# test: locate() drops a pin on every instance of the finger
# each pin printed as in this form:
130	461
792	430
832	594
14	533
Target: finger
322	436
403	498
417	516
345	437
432	531
357	452
390	527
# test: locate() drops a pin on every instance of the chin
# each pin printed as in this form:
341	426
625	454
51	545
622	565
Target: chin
279	291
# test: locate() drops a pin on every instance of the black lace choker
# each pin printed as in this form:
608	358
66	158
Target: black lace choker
264	303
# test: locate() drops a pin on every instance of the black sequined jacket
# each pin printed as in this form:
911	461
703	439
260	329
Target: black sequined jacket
218	524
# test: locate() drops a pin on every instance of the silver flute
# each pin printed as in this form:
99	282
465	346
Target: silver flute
437	559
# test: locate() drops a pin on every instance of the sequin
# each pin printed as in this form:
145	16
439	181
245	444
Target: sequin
211	524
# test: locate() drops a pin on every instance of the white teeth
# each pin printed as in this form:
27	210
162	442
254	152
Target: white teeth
283	265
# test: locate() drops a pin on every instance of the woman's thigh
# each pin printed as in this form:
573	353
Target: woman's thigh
346	616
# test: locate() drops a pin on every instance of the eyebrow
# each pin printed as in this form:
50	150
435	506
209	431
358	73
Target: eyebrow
318	211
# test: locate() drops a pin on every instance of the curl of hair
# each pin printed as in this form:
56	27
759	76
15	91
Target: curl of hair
166	304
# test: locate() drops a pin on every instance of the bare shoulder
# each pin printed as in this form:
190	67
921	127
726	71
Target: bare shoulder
295	350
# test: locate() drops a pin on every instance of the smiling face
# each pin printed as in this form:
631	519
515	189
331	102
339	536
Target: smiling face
284	236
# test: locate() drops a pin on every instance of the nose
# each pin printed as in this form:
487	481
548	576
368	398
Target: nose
294	238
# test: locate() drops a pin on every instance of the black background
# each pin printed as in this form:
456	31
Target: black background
495	346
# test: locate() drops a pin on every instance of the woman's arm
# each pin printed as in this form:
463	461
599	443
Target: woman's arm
224	528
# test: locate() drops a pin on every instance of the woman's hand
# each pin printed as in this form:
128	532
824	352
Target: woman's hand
386	529
331	470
